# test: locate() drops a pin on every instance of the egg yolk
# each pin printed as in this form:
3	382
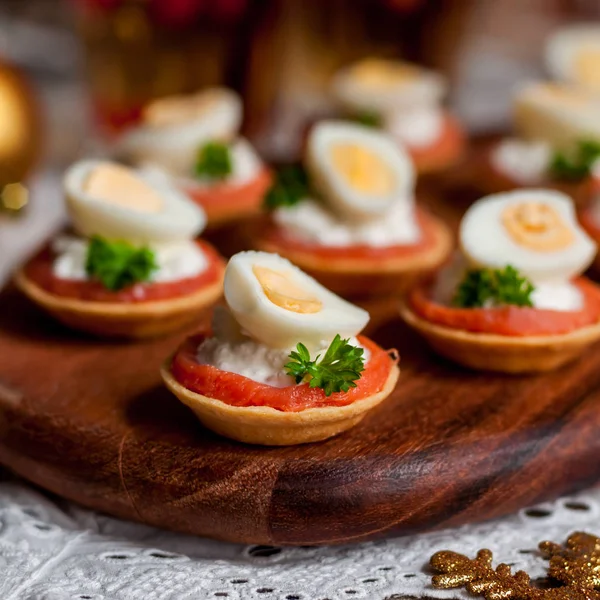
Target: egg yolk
537	226
362	169
178	110
285	293
117	185
382	74
586	66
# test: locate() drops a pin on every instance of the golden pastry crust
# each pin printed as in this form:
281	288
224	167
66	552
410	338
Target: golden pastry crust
121	319
352	277
505	354
270	427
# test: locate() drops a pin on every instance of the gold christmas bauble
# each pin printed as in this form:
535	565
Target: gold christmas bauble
20	127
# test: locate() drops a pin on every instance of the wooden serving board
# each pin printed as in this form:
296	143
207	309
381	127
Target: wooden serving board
90	421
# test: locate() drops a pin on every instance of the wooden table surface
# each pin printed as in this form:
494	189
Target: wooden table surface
90	420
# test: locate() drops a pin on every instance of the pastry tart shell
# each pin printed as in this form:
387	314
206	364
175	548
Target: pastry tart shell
505	354
369	277
124	319
270	427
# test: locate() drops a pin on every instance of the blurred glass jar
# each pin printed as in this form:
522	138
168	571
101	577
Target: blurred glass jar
137	50
279	54
299	47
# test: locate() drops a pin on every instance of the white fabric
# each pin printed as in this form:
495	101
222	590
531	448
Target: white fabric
58	551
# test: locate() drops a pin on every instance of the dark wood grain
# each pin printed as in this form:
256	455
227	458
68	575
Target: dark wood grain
91	421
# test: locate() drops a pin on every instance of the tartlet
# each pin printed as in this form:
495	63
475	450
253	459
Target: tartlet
133	270
195	139
118	318
354	240
266	425
506	354
405	100
514	302
557	138
361	270
272	307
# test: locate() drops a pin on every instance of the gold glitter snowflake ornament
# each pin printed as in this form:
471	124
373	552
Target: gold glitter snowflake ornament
574	568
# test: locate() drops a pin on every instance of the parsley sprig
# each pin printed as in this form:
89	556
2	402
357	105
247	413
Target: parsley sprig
338	370
575	165
214	161
368	119
289	187
118	264
480	287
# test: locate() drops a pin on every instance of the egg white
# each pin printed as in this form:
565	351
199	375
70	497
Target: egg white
541	112
486	243
346	201
278	327
427	88
175	146
178	218
562	48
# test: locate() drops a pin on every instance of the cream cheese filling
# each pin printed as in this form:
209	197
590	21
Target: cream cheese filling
176	261
524	161
549	295
311	221
232	350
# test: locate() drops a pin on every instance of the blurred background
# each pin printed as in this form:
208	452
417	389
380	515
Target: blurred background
73	73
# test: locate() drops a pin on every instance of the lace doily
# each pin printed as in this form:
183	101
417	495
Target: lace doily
53	550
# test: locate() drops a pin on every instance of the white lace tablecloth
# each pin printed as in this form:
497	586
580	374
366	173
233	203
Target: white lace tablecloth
53	550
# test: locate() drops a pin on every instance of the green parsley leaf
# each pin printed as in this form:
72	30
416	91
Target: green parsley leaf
368	119
118	264
289	187
214	161
497	286
338	370
575	165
